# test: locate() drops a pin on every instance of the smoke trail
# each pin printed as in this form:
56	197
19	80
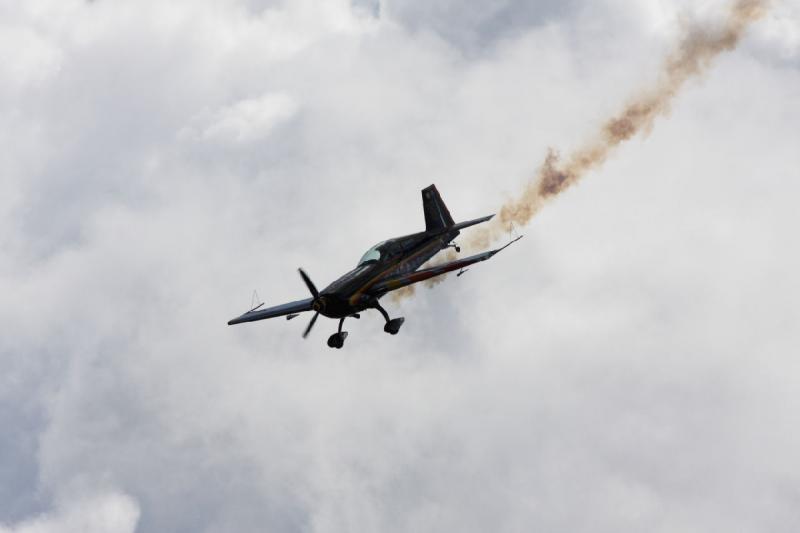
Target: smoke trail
694	53
699	45
409	290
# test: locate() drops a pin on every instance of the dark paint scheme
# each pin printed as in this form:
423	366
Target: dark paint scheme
396	267
360	288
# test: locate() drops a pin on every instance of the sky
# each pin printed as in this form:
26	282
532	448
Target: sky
630	365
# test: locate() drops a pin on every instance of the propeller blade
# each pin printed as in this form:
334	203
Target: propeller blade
309	283
310	325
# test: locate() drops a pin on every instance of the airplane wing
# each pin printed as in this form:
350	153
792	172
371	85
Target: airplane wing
397	282
271	312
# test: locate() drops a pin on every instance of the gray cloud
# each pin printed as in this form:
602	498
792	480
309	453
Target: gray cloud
630	367
476	28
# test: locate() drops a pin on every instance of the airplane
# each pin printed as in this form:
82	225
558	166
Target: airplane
387	266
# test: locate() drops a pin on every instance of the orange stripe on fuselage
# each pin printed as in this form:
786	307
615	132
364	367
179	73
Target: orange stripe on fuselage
356	295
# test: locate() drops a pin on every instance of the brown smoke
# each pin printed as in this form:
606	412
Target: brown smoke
401	294
693	55
697	48
408	291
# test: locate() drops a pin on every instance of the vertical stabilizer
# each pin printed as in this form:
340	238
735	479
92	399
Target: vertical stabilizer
436	214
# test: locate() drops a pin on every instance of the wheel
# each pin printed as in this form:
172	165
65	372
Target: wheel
393	326
337	340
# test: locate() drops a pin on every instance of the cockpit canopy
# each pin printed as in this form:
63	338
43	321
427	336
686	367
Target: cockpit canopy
372	255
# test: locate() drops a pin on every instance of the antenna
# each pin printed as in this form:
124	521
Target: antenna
253	300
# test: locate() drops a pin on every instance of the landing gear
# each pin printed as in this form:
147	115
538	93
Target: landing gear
337	339
392	326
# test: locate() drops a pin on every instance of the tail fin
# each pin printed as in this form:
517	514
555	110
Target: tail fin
436	214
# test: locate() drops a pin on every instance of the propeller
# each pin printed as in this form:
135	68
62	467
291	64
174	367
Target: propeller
309	283
318	303
310	325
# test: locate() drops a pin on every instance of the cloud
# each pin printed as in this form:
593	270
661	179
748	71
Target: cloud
248	120
780	33
106	513
478	30
28	59
629	366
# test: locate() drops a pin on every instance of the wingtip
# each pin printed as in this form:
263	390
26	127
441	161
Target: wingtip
512	241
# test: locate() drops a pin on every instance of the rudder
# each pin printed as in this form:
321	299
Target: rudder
437	215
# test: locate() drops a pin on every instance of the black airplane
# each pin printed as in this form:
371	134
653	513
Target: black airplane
387	266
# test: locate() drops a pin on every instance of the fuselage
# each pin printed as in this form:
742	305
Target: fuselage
352	292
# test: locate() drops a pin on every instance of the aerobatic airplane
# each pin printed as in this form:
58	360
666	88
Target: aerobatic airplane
387	266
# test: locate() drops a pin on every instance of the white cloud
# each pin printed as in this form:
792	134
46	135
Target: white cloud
105	513
781	30
247	120
27	60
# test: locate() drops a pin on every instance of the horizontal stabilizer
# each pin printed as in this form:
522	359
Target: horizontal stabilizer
468	223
